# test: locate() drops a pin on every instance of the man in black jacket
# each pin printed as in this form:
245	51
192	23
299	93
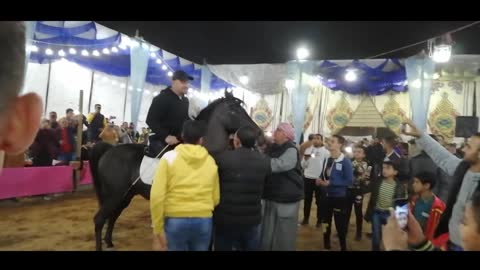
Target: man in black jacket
168	112
242	175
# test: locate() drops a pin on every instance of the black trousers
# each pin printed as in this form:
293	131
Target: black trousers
336	208
355	201
320	196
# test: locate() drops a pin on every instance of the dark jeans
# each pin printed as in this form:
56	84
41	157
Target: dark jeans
156	146
235	238
336	208
66	157
355	201
379	219
92	135
320	198
188	234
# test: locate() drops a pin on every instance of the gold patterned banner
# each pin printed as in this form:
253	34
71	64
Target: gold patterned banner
442	119
339	116
393	115
261	114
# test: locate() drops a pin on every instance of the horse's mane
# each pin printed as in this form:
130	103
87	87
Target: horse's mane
206	113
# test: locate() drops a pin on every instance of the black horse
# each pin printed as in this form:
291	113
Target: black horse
115	169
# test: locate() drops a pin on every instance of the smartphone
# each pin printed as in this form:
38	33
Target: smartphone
369	170
401	213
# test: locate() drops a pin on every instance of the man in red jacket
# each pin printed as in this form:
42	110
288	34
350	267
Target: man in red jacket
427	208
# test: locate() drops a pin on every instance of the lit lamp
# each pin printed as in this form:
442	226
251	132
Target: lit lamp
350	75
244	80
442	53
302	53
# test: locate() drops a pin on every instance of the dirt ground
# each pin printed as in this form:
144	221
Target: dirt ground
65	223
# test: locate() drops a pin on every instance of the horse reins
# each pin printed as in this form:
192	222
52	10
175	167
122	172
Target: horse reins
139	174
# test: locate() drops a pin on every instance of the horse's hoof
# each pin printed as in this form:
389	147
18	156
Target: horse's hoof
110	249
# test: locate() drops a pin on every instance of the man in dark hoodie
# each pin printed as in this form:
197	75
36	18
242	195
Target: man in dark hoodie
337	178
283	192
242	173
168	112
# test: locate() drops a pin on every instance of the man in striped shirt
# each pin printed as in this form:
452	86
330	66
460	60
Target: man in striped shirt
384	195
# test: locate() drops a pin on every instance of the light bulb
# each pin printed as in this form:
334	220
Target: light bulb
159	61
164	67
114	50
33	48
170	74
153	55
289	84
85	53
72	51
147	91
48	51
61	53
350	76
123	85
139	89
106	51
436	76
442	53
244	79
95	53
122	46
302	53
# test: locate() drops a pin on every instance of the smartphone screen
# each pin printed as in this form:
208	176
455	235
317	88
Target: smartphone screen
401	213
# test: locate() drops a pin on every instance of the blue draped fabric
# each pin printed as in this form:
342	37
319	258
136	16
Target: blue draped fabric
420	75
117	64
296	71
139	57
370	80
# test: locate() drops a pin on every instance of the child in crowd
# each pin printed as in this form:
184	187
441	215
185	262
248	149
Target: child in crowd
384	195
361	175
426	207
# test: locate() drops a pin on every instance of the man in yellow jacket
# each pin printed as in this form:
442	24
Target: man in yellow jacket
184	193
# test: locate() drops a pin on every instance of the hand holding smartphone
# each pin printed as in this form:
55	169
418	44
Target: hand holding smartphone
401	213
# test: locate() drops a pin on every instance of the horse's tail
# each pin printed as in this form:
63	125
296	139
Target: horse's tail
97	152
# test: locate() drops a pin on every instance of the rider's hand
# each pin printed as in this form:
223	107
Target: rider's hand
413	129
171	140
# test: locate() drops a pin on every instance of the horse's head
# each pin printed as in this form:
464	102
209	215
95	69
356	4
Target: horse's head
225	117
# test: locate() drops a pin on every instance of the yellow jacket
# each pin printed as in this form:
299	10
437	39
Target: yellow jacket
185	185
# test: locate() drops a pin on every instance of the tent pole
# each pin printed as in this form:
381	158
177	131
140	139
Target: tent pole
125	101
48	86
91	91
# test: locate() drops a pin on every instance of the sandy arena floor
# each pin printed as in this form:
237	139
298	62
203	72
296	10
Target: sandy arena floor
66	223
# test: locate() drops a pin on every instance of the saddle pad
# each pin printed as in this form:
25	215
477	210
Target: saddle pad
148	168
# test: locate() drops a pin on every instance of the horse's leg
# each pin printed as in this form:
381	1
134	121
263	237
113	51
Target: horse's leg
111	221
99	221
